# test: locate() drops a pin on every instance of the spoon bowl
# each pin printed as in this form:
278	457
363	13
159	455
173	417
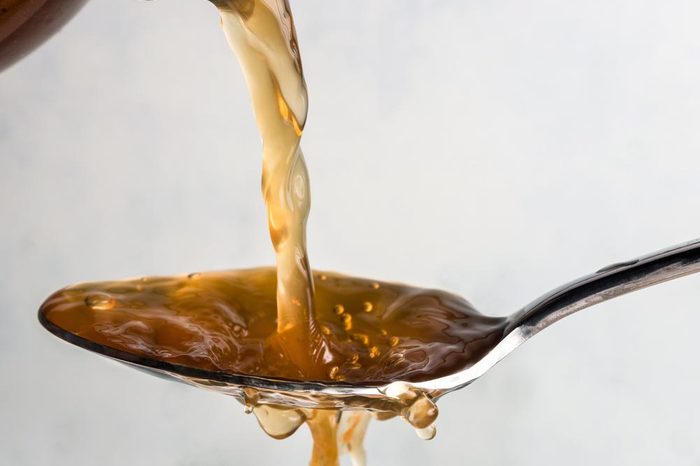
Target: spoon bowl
510	332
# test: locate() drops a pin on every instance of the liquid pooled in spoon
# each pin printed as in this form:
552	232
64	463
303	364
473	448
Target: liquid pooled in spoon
375	332
225	322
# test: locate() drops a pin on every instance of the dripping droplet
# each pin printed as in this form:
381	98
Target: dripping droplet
100	302
278	423
427	433
421	413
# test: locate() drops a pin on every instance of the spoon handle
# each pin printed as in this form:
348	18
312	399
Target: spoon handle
607	283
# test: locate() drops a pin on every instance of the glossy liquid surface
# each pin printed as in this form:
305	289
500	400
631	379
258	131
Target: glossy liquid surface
376	332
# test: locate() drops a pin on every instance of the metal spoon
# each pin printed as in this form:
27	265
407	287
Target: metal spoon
607	283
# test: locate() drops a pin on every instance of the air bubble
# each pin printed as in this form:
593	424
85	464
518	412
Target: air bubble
347	321
100	302
359	337
339	309
367	306
333	373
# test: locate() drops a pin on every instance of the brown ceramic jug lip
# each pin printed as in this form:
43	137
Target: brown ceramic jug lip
26	24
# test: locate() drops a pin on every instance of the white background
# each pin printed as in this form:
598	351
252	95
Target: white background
493	148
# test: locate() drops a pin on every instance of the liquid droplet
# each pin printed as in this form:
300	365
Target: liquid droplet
421	413
427	433
375	285
100	302
398	390
278	423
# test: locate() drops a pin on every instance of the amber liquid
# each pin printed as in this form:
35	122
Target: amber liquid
376	332
284	322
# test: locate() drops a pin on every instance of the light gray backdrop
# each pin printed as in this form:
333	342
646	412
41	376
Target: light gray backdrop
493	148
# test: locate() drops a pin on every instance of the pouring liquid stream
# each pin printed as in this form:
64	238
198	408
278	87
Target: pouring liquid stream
262	35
